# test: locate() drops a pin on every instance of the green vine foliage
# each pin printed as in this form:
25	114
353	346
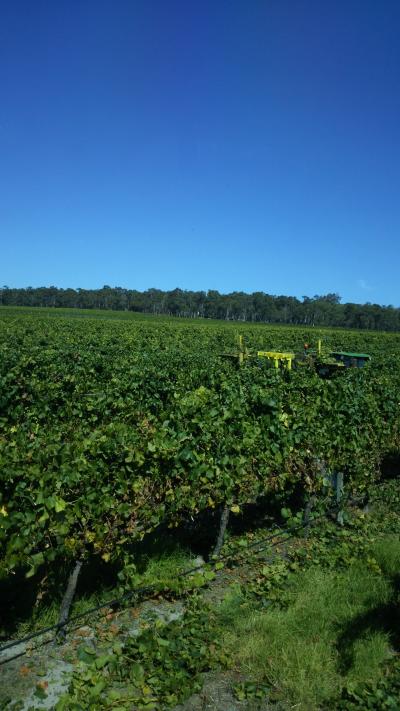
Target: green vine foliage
157	669
108	428
383	696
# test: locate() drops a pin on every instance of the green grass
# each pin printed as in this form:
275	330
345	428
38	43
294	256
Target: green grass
334	628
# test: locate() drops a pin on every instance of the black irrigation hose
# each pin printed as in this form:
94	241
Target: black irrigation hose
140	591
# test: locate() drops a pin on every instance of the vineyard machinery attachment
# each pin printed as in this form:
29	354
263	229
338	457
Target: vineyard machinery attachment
277	358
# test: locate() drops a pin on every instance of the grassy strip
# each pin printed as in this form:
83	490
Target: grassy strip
329	637
330	630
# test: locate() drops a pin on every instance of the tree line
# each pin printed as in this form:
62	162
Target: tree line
257	307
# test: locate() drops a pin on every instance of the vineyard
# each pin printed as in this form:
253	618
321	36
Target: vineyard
111	427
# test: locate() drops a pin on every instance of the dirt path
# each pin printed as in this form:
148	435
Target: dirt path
49	667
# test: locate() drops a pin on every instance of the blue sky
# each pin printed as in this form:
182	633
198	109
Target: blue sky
226	145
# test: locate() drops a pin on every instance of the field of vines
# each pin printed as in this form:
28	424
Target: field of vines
112	425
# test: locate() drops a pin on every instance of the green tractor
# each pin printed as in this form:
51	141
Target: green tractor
326	364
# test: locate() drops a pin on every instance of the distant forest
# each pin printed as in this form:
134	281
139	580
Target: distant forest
257	307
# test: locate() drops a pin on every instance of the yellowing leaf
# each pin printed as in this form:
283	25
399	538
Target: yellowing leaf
3	511
60	505
235	508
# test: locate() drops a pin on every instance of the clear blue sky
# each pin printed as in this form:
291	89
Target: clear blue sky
230	145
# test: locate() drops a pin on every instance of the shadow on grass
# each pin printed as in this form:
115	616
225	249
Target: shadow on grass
200	532
34	602
382	618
